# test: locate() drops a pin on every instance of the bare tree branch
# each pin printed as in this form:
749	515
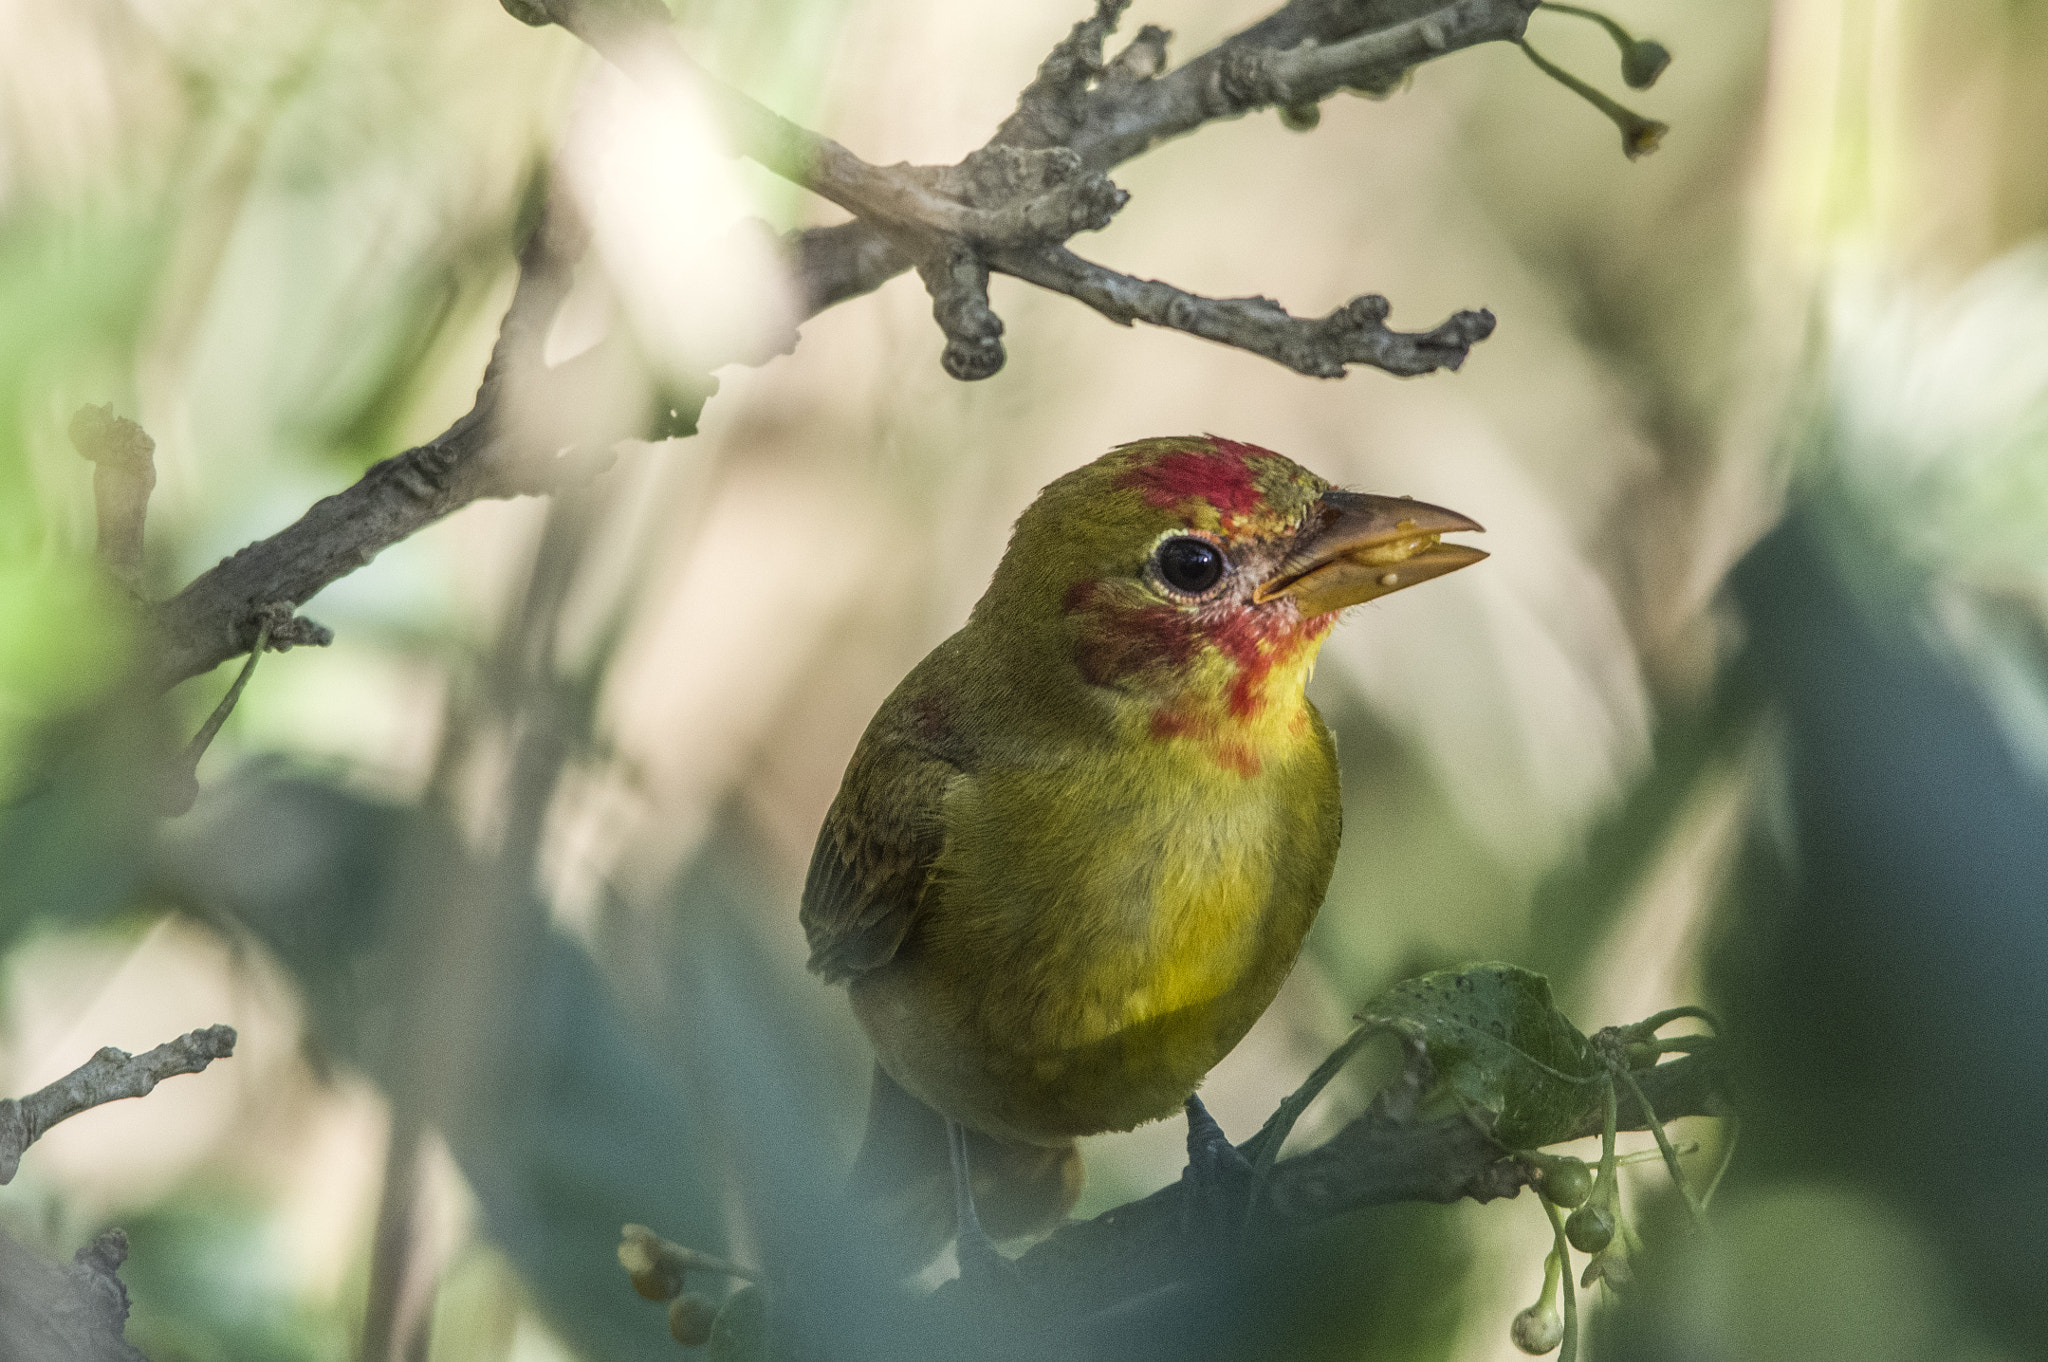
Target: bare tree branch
77	1311
1255	77
65	1312
1380	1158
218	615
108	1076
1122	116
1321	347
1138	1271
1009	208
906	201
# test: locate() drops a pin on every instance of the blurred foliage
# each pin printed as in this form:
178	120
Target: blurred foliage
206	1288
1882	953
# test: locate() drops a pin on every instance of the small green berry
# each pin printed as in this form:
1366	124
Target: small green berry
1590	1228
653	1274
1566	1182
1643	1054
1537	1330
657	1285
690	1317
1642	62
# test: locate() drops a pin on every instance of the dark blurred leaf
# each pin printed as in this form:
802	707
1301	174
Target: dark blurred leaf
208	1287
565	1120
76	842
1497	1043
1881	969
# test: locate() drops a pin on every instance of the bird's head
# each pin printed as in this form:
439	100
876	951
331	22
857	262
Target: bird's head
1197	576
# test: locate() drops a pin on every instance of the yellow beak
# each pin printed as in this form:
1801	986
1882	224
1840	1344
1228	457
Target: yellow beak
1359	547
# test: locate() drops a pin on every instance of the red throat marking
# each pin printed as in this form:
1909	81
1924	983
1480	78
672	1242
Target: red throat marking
1115	642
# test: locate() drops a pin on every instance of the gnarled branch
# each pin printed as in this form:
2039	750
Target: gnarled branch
1123	1255
76	1311
109	1076
1321	347
1009	208
65	1312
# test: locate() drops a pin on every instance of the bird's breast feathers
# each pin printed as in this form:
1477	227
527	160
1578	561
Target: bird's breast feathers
1098	934
1115	889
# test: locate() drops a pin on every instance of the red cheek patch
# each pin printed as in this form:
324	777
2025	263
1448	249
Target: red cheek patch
1113	644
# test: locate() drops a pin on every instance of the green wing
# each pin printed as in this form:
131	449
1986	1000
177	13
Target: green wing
874	858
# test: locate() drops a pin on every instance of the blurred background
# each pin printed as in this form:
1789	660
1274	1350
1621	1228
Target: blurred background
1750	705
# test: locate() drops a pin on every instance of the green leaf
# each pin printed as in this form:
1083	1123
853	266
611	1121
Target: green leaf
1499	1046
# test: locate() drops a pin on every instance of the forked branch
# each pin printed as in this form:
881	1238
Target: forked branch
1011	207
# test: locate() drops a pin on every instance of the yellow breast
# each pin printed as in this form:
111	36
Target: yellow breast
1097	937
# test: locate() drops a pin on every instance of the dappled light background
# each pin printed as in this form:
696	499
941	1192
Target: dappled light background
500	888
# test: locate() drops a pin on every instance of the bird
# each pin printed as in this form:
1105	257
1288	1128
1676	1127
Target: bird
1077	849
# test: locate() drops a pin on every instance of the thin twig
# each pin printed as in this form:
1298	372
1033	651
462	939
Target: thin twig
1568	1351
1732	1128
1263	1149
109	1076
124	474
1692	1202
1639	135
181	787
1321	347
1657	1022
657	1266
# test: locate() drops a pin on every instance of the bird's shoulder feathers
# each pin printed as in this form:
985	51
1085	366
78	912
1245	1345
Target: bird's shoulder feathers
884	831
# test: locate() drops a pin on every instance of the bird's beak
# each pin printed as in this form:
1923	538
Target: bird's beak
1357	548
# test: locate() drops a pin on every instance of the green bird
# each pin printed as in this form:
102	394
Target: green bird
1077	849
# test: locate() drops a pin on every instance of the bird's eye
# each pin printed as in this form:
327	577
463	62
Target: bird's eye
1190	565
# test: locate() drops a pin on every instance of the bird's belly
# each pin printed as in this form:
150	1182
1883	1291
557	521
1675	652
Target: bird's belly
1092	994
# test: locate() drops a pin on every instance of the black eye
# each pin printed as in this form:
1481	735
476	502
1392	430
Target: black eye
1190	565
